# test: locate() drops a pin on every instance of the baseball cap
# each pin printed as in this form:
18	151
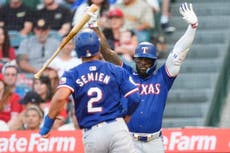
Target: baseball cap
31	97
41	24
116	12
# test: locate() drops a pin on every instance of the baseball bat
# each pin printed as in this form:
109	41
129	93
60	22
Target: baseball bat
92	9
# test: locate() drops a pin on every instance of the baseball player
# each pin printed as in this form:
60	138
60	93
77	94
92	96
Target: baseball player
146	122
97	87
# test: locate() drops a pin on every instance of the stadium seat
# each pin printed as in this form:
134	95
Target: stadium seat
15	38
55	34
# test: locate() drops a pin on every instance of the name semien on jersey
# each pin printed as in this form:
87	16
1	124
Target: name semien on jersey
93	76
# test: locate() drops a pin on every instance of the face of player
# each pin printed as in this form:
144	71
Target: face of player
142	64
32	119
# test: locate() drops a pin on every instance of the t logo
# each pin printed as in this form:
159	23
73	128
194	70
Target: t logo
144	49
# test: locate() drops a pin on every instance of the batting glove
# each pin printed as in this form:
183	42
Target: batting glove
48	123
92	23
188	14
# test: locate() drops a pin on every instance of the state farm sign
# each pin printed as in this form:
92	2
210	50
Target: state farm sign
24	141
197	140
181	140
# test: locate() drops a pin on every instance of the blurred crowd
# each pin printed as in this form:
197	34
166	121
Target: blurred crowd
30	32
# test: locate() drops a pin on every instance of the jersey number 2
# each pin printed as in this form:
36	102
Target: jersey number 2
93	100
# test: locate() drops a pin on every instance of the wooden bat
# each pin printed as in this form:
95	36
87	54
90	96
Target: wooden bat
92	9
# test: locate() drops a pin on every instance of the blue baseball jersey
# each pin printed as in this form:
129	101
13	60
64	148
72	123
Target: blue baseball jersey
153	94
97	88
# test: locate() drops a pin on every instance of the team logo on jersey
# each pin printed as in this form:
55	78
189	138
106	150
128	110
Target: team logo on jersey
144	49
92	68
147	89
62	80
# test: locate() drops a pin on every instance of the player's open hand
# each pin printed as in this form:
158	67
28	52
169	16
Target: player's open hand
188	14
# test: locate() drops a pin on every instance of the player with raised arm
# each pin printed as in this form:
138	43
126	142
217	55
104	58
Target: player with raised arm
146	123
97	87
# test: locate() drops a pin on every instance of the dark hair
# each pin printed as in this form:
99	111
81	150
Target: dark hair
104	6
46	80
6	43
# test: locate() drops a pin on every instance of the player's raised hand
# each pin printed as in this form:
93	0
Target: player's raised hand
92	23
48	123
186	10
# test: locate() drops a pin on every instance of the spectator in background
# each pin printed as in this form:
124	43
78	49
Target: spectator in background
31	98
7	53
76	4
16	16
101	12
33	118
18	82
32	4
65	61
2	2
9	104
123	40
138	17
165	15
43	87
70	4
58	17
73	125
34	51
52	73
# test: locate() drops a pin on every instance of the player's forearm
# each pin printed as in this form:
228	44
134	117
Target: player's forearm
185	42
107	53
133	102
182	46
179	52
56	106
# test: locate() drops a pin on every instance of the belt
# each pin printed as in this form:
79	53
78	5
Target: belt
146	137
101	124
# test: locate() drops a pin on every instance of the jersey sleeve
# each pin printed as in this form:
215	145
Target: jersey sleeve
130	91
126	83
167	78
67	81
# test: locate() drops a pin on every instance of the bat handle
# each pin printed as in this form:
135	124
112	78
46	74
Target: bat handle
39	73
